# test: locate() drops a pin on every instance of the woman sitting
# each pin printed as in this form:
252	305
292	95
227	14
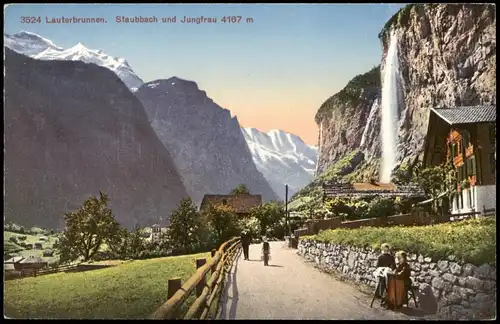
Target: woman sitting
403	269
385	260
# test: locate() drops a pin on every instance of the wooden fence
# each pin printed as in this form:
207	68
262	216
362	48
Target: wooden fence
18	274
207	292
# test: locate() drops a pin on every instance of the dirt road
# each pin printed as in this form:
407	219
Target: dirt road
291	289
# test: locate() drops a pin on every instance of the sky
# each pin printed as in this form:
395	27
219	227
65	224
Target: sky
272	71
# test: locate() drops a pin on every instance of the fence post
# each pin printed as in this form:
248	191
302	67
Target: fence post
201	285
214	267
174	284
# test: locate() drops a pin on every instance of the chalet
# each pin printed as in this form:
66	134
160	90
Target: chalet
30	263
466	137
241	204
359	190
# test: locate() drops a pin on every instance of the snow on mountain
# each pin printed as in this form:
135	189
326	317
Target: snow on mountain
29	43
40	48
282	158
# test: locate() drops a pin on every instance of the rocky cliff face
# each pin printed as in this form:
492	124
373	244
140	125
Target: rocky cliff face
72	129
447	56
206	143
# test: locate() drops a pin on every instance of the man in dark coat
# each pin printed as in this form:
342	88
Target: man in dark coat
245	243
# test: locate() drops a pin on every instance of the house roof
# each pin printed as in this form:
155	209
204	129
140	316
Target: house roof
467	114
370	189
33	259
242	203
370	186
14	259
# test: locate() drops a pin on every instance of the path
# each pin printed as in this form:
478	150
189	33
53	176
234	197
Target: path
291	289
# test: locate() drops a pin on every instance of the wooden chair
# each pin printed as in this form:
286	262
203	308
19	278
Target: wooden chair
412	294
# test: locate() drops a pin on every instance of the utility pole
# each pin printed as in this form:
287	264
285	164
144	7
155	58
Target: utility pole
286	209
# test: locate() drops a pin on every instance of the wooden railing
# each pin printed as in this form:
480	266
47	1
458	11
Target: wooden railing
208	293
18	274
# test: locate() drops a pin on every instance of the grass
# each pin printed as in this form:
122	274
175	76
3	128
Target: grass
10	247
30	239
131	290
471	241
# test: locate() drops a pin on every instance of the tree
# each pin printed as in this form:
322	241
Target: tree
136	242
436	180
381	207
119	244
87	229
222	222
340	207
185	227
271	217
241	189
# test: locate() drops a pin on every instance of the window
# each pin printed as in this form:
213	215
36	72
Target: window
471	166
453	150
465	138
460	201
224	201
460	173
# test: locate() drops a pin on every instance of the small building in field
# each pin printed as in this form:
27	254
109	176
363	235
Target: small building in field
466	138
242	204
157	233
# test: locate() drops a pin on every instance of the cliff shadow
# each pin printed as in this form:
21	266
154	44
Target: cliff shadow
230	293
89	267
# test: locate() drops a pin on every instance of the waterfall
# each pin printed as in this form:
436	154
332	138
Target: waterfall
371	116
389	122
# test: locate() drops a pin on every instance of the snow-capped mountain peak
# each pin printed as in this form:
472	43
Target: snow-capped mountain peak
40	48
282	157
28	43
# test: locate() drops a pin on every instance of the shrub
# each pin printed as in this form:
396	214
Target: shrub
54	265
471	240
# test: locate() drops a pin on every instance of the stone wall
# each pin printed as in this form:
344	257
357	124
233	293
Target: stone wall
448	288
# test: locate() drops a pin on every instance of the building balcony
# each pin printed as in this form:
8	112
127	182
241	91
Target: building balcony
469	151
458	160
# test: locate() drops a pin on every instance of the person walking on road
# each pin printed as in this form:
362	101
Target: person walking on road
266	251
245	243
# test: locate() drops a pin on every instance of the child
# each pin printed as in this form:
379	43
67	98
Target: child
404	270
266	251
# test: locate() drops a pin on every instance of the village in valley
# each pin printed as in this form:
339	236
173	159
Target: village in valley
405	165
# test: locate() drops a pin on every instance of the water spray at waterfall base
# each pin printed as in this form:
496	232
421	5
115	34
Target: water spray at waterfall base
389	122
